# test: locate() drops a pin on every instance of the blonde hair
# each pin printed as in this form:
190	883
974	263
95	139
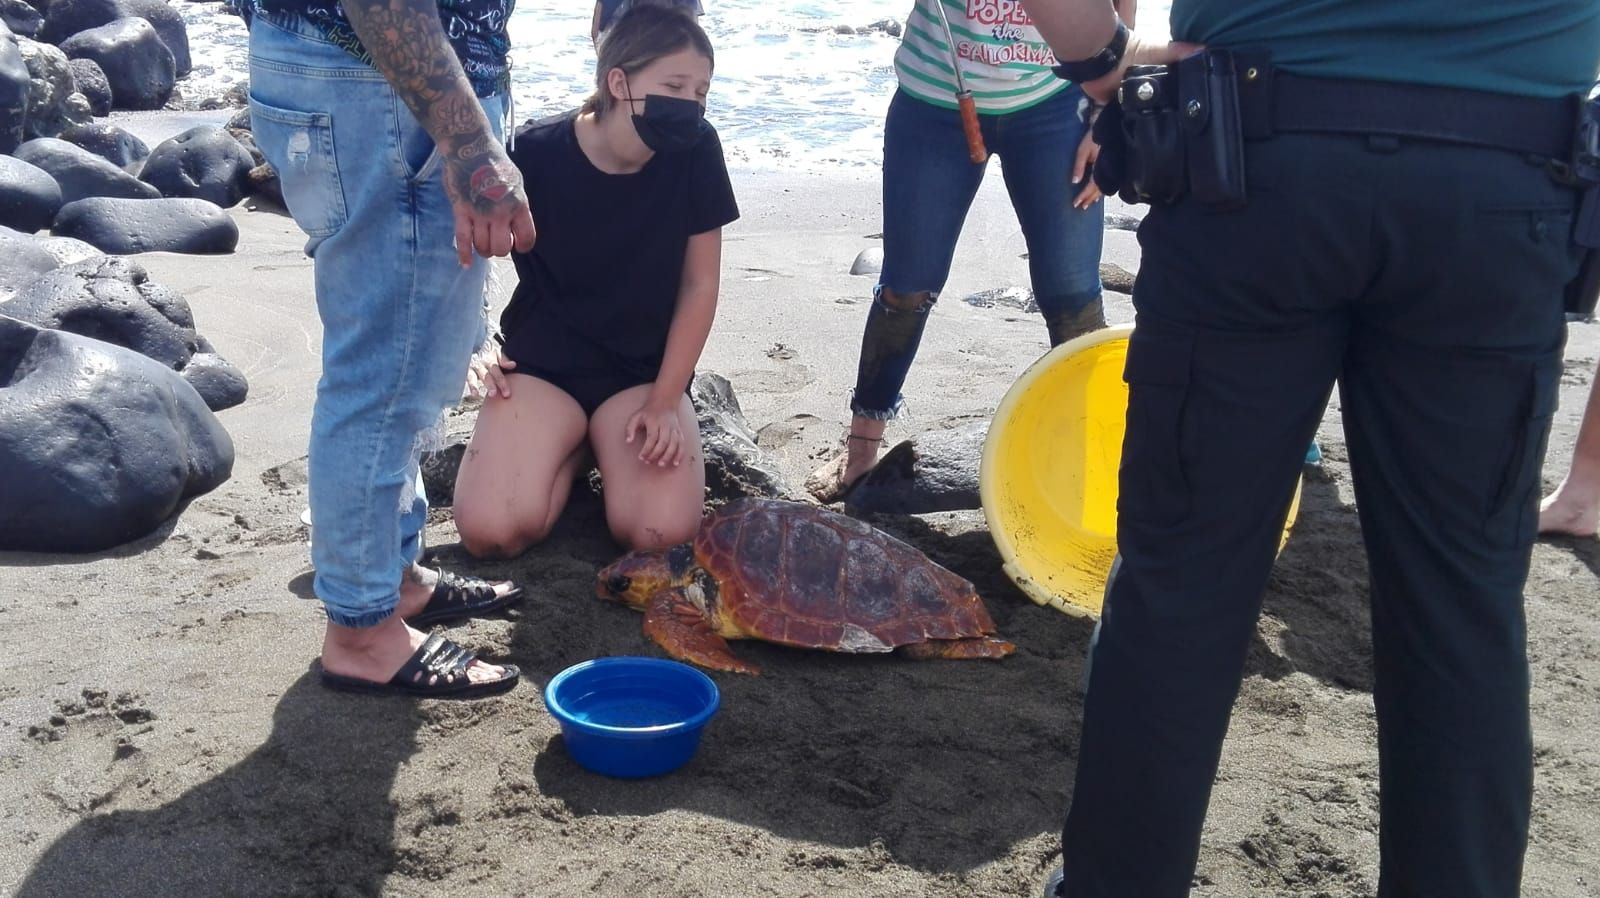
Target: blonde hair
644	33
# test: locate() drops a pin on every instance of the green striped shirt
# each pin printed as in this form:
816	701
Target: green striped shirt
1004	61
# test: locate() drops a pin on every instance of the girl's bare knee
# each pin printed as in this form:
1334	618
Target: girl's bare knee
647	535
494	539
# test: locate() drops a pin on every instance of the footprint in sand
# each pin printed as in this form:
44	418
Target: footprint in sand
95	711
780	435
789	377
289	477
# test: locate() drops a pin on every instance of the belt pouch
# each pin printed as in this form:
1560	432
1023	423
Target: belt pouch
1209	101
1584	169
1584	291
1152	136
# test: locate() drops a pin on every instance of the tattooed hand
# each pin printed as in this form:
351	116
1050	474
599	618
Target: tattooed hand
409	47
491	209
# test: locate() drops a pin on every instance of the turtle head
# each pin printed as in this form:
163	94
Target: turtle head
637	576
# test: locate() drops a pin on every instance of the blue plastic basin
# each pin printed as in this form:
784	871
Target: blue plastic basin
631	717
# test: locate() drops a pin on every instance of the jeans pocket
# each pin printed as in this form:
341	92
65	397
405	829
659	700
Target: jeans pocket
1512	518
300	146
1155	487
418	152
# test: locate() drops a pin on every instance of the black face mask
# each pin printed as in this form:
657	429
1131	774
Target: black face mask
669	124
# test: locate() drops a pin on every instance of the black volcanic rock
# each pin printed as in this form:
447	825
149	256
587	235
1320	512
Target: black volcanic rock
114	442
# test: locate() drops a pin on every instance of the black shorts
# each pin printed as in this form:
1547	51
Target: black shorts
589	388
546	348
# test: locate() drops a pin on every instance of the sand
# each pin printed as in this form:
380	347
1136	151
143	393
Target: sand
162	732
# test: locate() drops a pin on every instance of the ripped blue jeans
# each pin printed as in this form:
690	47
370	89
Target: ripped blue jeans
929	184
400	316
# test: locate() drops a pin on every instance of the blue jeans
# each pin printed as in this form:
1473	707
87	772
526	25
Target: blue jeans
929	183
400	316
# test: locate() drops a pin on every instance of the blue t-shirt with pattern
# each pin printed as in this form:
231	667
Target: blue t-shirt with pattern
476	29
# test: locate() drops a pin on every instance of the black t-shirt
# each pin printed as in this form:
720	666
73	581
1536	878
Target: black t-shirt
599	288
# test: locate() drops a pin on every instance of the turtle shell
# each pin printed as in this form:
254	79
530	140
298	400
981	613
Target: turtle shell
808	577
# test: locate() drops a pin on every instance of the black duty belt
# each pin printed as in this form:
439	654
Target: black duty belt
1274	102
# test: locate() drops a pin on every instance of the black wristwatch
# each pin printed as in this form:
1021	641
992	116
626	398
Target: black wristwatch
1099	65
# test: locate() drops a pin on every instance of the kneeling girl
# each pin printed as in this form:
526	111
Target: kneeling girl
613	303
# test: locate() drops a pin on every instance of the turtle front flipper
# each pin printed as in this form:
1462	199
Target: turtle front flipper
678	625
976	647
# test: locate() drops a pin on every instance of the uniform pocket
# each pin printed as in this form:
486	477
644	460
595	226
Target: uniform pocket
1512	517
300	146
1154	484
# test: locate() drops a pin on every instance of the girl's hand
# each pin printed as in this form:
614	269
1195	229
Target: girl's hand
1083	173
486	375
657	431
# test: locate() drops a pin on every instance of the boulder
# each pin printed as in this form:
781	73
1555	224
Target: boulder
14	90
1116	278
868	261
138	65
110	143
264	183
82	174
70	17
735	465
22	19
123	226
169	26
29	197
66	250
218	381
92	83
930	472
114	300
439	468
22	261
240	120
204	162
113	444
50	90
247	139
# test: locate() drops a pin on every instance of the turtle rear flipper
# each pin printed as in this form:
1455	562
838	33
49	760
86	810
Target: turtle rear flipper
976	647
679	626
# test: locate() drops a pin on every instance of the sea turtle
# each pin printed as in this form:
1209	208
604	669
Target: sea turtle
803	576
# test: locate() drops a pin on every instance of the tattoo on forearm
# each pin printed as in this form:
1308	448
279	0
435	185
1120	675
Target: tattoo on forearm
408	45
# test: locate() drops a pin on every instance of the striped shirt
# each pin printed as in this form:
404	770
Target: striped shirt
1004	60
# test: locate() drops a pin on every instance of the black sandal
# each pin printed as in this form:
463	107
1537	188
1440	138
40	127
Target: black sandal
456	598
438	669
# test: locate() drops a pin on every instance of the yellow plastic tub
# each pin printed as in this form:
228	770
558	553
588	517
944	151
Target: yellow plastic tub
1049	473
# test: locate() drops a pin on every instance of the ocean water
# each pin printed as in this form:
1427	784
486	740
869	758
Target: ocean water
799	84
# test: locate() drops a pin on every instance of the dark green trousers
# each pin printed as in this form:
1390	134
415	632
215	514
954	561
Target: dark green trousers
1425	280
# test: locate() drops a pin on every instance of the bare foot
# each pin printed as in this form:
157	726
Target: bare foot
416	587
378	652
833	480
1567	513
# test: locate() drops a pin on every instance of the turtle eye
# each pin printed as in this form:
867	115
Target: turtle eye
618	584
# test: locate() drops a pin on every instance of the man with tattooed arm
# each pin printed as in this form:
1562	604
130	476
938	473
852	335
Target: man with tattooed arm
384	120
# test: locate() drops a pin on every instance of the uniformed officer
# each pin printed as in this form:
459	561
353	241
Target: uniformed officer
1403	236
